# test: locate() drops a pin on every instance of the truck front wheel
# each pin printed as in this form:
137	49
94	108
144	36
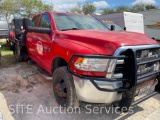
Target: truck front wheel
64	89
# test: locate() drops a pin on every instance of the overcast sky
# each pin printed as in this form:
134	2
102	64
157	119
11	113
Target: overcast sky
64	5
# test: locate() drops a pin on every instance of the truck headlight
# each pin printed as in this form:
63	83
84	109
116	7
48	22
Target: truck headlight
92	64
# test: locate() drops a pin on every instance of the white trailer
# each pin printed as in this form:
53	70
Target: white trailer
132	21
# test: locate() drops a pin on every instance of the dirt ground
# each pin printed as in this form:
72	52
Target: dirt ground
27	95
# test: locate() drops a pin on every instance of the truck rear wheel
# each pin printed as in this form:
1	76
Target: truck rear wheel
64	89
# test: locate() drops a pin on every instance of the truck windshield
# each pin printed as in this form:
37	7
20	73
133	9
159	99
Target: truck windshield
77	22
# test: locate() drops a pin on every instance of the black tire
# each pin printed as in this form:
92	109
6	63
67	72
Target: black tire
17	53
64	89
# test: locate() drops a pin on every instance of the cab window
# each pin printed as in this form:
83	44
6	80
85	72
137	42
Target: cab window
35	20
45	21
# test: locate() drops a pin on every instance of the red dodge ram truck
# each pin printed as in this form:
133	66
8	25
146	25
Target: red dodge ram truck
91	64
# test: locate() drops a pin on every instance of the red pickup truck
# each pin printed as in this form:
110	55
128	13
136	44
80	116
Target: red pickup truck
91	64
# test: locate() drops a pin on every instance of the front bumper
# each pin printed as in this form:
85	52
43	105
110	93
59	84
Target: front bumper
108	90
96	89
87	92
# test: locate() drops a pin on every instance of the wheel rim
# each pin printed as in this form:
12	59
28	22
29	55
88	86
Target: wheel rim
61	92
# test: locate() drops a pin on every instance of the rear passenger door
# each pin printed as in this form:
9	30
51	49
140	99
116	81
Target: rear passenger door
31	42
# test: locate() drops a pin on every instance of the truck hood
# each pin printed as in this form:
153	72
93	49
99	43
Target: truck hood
105	42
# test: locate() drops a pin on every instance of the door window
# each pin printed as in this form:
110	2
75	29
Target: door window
45	21
35	20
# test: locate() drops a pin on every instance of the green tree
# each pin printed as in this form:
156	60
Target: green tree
34	6
116	10
138	7
76	8
134	8
149	7
9	7
142	7
123	8
47	7
24	8
107	11
88	8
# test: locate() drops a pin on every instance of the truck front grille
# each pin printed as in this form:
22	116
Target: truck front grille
146	55
119	70
147	61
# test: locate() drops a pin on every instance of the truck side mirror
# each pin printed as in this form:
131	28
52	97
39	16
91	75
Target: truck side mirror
112	27
125	29
39	30
27	25
26	22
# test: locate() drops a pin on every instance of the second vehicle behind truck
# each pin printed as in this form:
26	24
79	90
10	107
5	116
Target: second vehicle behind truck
4	29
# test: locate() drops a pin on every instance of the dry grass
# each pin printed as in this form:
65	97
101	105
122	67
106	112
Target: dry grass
8	58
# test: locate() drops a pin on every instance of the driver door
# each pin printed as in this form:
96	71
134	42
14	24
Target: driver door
43	43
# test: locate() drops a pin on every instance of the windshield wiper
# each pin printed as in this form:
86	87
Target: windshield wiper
71	29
